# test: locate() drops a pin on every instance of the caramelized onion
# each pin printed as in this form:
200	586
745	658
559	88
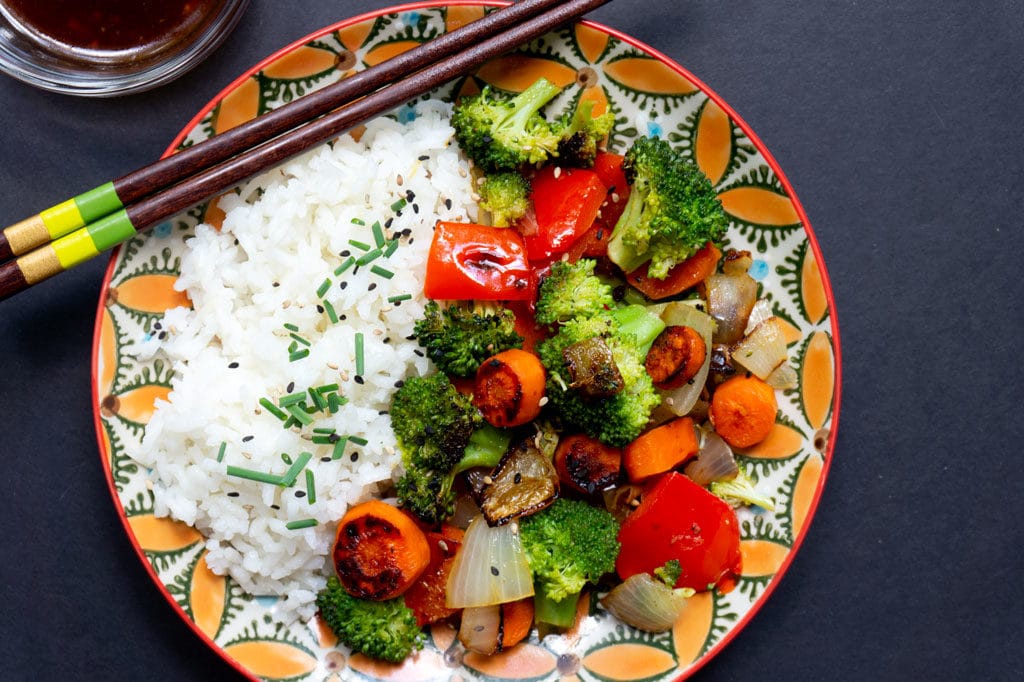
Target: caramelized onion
524	482
480	630
762	350
730	300
646	603
490	568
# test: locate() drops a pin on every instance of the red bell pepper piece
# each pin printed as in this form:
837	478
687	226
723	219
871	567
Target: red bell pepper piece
468	261
565	207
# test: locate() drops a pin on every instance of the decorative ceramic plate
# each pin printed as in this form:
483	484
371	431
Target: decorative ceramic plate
649	94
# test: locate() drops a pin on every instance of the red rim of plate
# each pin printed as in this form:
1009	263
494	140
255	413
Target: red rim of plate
663	58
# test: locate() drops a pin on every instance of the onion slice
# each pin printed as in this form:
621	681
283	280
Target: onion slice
679	401
524	482
762	350
714	462
490	568
480	630
730	300
646	603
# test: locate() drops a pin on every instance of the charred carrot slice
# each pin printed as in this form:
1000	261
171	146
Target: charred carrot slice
379	551
661	449
516	621
675	356
586	464
509	387
743	411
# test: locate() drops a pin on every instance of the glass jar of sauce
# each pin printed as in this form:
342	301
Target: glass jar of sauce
109	47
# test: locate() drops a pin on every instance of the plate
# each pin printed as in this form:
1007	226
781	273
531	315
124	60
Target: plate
649	94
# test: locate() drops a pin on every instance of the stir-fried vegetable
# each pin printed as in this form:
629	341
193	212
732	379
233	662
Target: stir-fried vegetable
491	568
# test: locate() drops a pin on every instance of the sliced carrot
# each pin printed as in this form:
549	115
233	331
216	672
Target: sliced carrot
516	621
586	464
675	356
426	596
379	551
689	273
743	410
661	449
509	387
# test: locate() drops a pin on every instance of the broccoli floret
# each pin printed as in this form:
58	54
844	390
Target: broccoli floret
458	339
506	196
672	210
669	573
385	630
627	332
568	545
741	490
500	134
431	457
432	421
581	134
572	290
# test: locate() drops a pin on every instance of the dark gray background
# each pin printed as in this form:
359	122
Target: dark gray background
898	124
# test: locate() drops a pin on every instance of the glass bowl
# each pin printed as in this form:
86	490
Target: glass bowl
52	61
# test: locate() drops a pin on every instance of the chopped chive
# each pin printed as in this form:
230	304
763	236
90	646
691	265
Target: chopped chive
318	399
339	448
290	422
300	414
399	298
360	360
301	340
310	486
333	403
358	221
358	440
363	246
299	525
324	429
324	286
272	409
332	314
220	453
321	440
291	399
391	248
293	471
378	234
286	458
369	257
290	327
298	355
293	346
398	205
327	388
383	272
252	475
345	265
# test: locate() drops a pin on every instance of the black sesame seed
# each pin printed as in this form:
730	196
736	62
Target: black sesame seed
423	157
399	383
356	269
246	439
448	204
382	412
478	628
354	456
157	325
319	308
410	195
276	284
325	459
418	352
359	380
275	506
373	285
236	242
411	337
518	478
345	253
412	238
342	317
387	339
406	232
233	365
162	335
300	493
494	570
290	387
334	437
232	494
415	208
387	223
397	303
343	285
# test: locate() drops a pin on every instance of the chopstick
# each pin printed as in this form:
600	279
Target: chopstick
110	197
111	218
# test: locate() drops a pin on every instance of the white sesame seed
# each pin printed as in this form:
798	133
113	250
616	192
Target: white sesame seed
558	172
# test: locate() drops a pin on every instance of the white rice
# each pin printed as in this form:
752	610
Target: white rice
246	281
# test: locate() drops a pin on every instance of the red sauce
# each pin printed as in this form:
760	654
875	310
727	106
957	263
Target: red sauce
141	27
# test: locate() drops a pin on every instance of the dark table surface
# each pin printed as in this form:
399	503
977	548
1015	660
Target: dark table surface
897	123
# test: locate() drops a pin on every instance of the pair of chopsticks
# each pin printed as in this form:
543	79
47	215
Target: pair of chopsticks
80	228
